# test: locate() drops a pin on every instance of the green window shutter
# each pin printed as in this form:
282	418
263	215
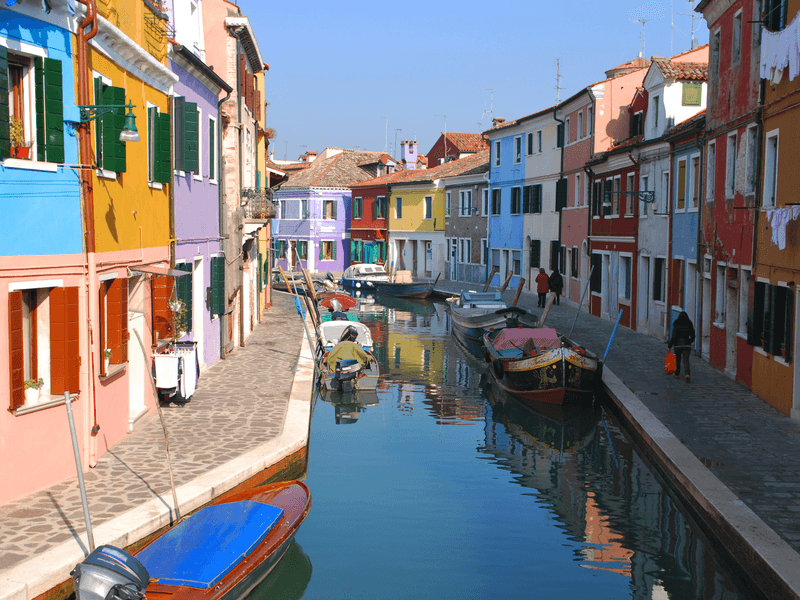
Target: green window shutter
5	116
114	153
184	293
217	285
260	268
333	247
152	116
162	169
191	131
212	149
98	123
178	118
38	78
53	139
321	245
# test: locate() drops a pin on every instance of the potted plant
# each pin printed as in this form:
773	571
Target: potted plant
33	388
20	147
107	358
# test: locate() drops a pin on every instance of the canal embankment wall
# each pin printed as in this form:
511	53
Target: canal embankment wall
47	572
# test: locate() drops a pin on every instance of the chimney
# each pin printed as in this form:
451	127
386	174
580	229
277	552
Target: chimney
272	155
498	121
408	154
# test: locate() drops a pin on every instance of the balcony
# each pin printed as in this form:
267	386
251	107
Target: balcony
258	205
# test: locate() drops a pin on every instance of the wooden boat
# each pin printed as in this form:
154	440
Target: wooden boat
539	365
474	313
416	289
338	307
363	277
222	552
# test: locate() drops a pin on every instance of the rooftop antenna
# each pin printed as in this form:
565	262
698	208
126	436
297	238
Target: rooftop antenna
558	87
386	141
692	31
396	131
645	13
286	151
445	136
491	107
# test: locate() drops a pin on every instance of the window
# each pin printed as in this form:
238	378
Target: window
719	308
516	262
484	251
304	212
597	198
678	276
36	316
692	94
428	208
625	277
327	250
212	149
555	250
616	197
577	189
580	125
589	123
187	135
730	167
198	173
329	210
681	185
575	263
659	280
567	131
282	209
637	123
596	279
302	249
515	200
608	202
398	208
711	170
530	144
113	325
656	110
773	319
496	197
34	96
736	46
775	13
771	169
466	250
358	204
447	204
158	146
752	148
517	150
465	207
694	182
665	193
496	260
645	186
532	199
561	194
536	254
629	197
539	141
379	210
715	42
497	153
485	193
183	293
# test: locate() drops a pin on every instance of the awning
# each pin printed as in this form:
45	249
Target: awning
158	271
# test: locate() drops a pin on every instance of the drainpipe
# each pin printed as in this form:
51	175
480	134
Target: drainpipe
668	265
758	187
590	179
85	159
222	208
561	176
240	226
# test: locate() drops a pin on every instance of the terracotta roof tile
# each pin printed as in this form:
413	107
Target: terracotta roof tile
474	163
467	142
685	71
341	170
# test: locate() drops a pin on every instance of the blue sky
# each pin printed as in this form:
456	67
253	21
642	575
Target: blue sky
336	68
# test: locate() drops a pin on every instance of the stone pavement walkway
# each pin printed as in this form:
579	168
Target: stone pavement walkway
240	403
752	448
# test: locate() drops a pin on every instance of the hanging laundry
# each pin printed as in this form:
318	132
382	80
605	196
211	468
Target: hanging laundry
778	219
166	371
779	50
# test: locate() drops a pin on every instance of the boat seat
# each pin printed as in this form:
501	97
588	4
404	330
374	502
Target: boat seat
338	316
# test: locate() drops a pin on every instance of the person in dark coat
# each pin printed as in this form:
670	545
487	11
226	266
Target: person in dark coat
556	285
542	287
682	339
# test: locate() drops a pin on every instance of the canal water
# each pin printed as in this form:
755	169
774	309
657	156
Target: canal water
439	486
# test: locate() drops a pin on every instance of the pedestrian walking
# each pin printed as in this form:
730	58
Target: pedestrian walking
542	286
682	339
556	284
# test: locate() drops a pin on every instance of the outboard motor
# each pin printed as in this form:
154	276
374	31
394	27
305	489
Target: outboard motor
346	374
109	573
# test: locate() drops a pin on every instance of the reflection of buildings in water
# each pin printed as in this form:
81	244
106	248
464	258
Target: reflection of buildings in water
452	408
602	491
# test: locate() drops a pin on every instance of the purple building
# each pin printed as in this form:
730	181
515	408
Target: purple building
314	209
197	200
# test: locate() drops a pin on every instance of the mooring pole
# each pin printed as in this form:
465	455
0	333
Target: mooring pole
586	289
81	483
611	339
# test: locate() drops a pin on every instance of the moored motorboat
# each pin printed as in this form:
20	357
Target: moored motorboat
474	313
415	289
222	552
346	372
539	365
338	307
363	277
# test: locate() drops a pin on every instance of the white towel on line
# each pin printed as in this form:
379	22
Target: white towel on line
166	371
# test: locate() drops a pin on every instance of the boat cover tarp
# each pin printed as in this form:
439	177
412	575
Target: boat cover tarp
514	337
346	301
208	545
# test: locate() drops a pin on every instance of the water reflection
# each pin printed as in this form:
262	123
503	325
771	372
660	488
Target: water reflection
288	580
349	405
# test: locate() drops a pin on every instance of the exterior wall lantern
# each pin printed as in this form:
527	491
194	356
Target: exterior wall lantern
89	112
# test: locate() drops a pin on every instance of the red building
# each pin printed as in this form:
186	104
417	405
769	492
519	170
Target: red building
452	146
731	184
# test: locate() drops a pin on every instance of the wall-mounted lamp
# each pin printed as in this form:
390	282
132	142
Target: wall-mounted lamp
129	133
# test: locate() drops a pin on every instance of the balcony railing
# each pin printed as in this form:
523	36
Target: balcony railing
258	204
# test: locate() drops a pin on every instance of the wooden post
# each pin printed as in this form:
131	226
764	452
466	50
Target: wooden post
286	281
551	297
519	292
309	283
507	281
489	281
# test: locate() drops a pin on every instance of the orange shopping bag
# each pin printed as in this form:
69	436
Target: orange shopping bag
670	364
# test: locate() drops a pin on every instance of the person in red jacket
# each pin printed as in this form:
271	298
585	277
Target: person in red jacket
542	287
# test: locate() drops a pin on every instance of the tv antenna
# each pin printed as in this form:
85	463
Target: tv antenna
694	43
648	12
491	107
396	131
386	140
286	151
558	87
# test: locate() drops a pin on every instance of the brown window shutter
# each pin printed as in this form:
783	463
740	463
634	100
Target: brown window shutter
123	322
114	320
162	315
256	100
16	349
242	76
58	337
101	325
73	340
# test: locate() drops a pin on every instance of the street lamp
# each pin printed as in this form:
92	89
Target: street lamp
129	133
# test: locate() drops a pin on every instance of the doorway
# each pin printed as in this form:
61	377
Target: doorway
706	328
643	301
198	310
731	321
136	360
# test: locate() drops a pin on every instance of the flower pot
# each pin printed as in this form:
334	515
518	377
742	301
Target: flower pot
31	396
22	152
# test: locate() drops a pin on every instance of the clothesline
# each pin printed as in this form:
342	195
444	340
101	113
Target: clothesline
780	49
779	218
